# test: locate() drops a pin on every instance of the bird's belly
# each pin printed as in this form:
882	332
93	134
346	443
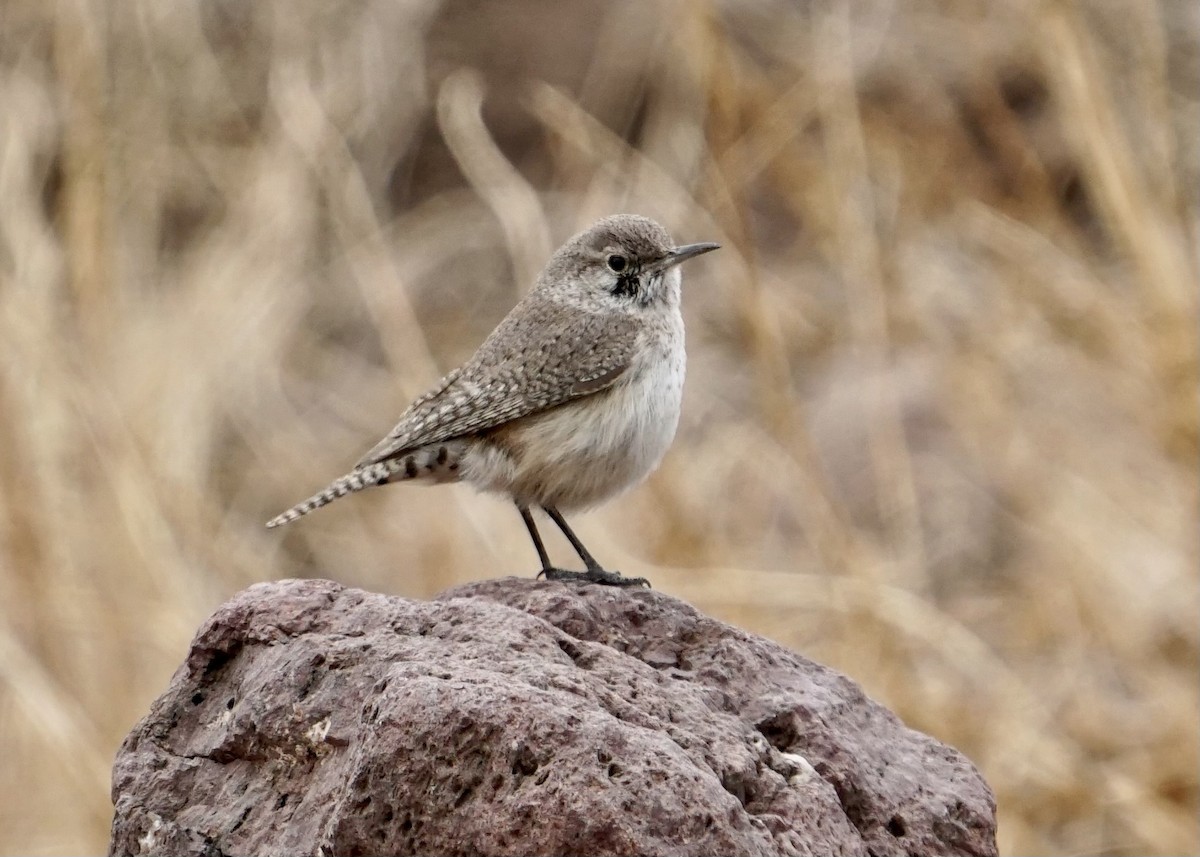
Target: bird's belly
582	453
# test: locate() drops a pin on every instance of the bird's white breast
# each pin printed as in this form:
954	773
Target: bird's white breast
581	453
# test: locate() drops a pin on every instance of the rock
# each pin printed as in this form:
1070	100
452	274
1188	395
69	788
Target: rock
518	716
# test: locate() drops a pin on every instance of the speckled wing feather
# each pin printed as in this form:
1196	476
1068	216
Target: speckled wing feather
542	355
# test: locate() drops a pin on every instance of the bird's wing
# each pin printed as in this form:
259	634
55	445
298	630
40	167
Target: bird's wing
536	359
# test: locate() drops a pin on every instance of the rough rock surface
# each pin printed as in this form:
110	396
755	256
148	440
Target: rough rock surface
523	717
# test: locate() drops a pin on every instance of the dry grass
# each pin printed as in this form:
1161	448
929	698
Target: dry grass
940	428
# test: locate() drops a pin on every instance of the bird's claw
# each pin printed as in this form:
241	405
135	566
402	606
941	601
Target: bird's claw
593	575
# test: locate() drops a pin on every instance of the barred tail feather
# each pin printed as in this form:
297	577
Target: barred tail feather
357	480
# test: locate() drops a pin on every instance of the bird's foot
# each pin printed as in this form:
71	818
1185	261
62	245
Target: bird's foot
593	575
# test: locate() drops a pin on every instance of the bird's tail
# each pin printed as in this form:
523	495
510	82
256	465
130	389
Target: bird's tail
356	480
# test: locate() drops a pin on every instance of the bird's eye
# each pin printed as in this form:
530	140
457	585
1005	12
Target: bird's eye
617	263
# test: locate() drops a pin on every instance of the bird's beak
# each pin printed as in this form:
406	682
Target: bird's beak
682	254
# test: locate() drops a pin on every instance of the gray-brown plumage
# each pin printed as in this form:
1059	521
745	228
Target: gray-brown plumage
572	398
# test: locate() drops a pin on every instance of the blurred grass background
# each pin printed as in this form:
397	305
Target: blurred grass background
940	427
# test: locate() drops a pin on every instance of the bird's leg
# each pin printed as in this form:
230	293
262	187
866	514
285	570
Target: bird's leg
595	572
527	517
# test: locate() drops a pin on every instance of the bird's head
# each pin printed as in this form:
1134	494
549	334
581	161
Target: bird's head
624	261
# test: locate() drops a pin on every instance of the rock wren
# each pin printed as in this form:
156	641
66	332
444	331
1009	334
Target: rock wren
572	399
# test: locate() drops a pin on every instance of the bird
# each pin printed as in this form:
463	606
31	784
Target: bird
574	398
